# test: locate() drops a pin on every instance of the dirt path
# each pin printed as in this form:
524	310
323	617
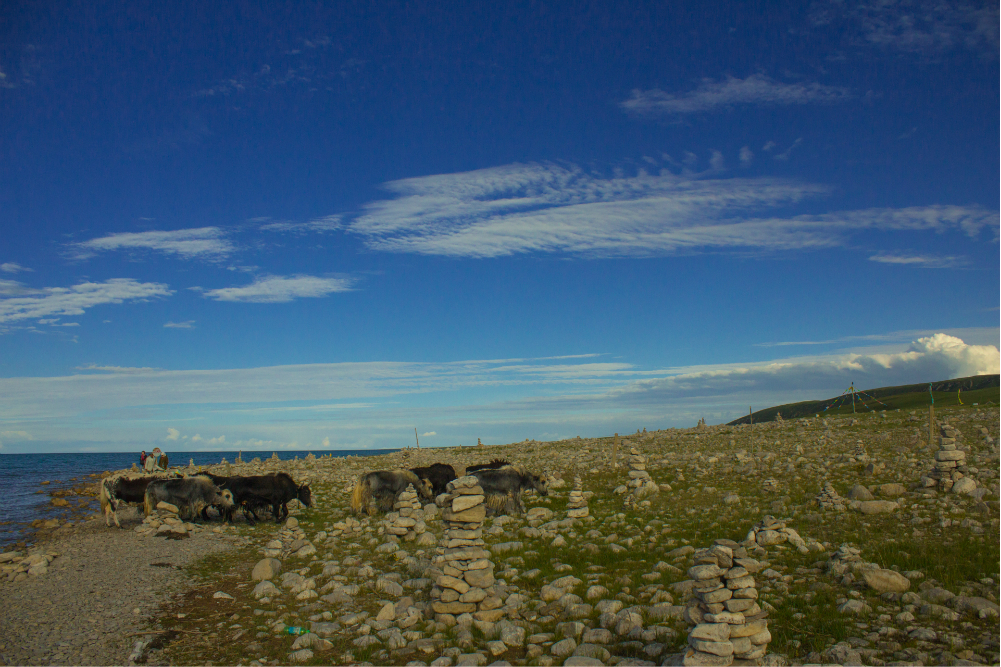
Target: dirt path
105	585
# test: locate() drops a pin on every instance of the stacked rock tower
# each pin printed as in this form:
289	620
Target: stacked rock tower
828	499
640	483
467	573
950	461
729	626
577	504
406	521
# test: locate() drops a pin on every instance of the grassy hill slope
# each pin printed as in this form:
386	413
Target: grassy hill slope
975	389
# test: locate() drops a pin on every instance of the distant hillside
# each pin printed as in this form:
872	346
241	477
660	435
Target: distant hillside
975	389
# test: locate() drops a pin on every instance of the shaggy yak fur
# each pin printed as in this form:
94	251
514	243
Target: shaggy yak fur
503	486
259	492
123	489
385	486
493	465
439	474
189	494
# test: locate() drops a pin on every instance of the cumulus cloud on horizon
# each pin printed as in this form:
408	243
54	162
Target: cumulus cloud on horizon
932	358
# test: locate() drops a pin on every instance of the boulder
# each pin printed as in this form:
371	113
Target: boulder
878	507
886	581
268	568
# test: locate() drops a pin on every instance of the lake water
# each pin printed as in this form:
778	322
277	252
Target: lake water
21	477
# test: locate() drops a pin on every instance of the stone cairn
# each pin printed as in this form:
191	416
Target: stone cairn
858	451
406	520
729	626
771	485
467	573
577	503
828	499
640	484
950	462
770	531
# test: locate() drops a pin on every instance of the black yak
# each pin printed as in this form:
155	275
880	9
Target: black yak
439	474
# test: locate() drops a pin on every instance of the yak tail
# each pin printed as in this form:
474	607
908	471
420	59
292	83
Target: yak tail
361	494
105	501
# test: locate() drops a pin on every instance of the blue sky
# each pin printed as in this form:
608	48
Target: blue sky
269	226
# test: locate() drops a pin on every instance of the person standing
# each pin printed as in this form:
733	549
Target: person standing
142	459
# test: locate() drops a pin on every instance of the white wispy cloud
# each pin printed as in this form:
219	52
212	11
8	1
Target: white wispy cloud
13	267
187	324
116	369
756	89
429	433
203	242
327	223
564	401
15	288
545	208
746	156
281	289
927	27
922	261
66	301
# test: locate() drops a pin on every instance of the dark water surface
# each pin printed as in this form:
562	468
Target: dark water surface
21	477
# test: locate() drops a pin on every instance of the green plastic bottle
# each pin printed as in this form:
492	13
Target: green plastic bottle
296	630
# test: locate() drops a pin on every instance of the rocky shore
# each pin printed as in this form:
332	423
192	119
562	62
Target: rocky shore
789	538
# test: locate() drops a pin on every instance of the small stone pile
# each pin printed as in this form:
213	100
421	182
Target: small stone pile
405	521
729	626
828	499
465	584
16	566
165	521
771	485
577	503
291	541
949	473
640	484
771	531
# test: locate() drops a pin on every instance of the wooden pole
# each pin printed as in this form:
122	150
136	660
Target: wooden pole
416	438
931	425
615	451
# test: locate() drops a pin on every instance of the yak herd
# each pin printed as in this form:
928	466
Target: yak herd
502	484
193	495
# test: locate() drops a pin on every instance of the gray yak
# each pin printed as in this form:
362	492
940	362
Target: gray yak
505	484
189	493
385	486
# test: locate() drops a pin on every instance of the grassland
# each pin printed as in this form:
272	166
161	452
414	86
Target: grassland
942	541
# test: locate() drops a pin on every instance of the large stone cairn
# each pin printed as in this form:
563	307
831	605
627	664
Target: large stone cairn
406	520
640	484
577	503
465	585
950	461
729	626
828	499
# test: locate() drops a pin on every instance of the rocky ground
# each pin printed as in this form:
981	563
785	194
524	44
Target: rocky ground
88	590
857	560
